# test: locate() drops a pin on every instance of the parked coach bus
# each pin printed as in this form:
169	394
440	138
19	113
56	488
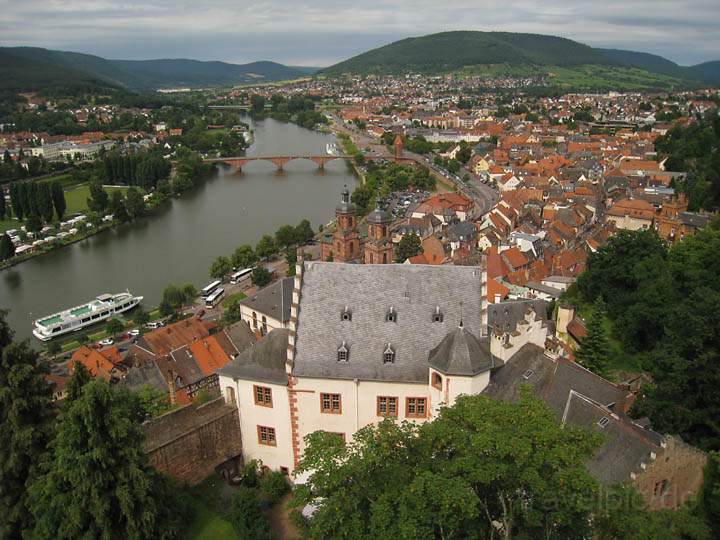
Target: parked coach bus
214	298
207	291
241	276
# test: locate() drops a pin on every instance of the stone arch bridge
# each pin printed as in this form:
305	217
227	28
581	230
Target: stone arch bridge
280	161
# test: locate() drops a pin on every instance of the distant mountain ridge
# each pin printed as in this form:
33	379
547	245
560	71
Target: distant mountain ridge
137	74
449	51
707	72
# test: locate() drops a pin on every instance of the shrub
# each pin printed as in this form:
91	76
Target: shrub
251	474
246	516
273	486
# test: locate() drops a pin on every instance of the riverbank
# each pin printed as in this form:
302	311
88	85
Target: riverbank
74	200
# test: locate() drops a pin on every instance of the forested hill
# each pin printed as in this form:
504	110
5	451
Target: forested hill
35	74
454	50
28	66
708	72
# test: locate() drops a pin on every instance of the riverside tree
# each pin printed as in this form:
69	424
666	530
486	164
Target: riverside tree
58	199
98	482
303	232
266	247
285	236
244	257
220	268
134	203
98	200
26	415
7	248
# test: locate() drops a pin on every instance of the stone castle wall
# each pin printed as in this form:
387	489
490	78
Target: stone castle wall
189	443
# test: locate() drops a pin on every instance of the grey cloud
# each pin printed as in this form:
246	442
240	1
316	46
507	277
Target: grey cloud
324	31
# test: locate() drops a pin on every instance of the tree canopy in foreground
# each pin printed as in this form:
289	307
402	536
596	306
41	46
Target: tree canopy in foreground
483	469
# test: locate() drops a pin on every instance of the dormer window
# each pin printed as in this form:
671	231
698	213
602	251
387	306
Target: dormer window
604	421
391	315
437	316
389	355
343	353
528	374
346	314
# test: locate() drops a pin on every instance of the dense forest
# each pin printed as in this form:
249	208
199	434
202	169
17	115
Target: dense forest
664	306
696	149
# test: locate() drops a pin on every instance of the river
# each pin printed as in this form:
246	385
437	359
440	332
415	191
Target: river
179	243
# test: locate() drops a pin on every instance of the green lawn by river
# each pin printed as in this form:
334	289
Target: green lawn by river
76	198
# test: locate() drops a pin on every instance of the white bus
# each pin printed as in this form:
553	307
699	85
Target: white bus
241	276
207	291
214	298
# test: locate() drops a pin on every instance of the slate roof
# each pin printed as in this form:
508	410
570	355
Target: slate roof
274	300
461	353
368	292
694	220
262	362
506	315
581	398
239	337
147	374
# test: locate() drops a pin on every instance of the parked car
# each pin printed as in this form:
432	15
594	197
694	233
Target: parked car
134	332
106	342
155	324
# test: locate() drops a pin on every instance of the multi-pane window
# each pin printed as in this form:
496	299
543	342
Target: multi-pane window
416	407
266	436
263	396
387	406
330	403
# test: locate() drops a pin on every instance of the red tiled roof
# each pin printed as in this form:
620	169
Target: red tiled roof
209	355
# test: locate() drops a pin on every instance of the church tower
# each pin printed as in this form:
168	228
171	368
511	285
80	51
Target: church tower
398	146
379	246
345	244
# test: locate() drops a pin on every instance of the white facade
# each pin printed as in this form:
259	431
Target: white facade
253	416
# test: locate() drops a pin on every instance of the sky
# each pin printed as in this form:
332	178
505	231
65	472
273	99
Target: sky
322	32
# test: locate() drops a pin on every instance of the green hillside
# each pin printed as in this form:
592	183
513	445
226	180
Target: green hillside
449	51
708	72
24	74
139	74
649	62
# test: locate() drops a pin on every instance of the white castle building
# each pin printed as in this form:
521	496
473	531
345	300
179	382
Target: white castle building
365	342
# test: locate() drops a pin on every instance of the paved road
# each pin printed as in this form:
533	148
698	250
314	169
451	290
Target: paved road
484	196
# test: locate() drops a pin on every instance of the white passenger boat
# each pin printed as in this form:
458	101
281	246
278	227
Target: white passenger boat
101	308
